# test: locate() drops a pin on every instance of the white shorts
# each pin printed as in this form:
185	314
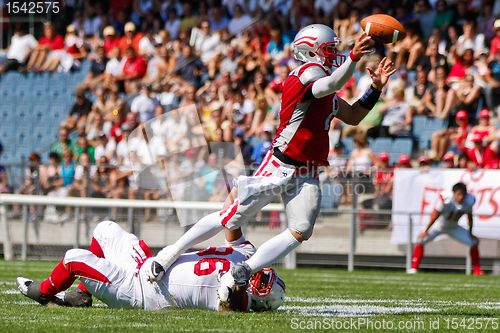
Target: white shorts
301	195
456	232
113	279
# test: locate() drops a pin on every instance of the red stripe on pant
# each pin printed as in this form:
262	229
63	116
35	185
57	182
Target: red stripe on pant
264	163
83	270
234	208
96	249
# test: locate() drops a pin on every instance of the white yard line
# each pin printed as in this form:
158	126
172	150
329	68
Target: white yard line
352	310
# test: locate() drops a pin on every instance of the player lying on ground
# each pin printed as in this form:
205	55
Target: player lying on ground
112	270
301	145
450	207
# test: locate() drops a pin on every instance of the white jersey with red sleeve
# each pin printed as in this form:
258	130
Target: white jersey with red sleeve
450	210
191	282
304	123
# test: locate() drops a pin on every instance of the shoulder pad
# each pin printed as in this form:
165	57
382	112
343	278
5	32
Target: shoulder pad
309	72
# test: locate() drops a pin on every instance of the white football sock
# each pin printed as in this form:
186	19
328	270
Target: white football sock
204	229
272	250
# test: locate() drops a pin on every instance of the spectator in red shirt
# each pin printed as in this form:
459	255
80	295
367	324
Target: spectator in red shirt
110	39
484	128
49	42
456	136
134	69
482	155
384	174
131	38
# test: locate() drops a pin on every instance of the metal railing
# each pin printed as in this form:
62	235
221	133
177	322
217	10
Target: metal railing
131	205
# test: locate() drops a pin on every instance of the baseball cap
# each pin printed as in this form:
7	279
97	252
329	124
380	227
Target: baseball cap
129	27
496	25
404	159
383	156
108	31
484	113
449	156
424	160
461	115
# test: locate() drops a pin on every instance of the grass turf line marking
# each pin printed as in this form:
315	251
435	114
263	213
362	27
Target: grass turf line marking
343	310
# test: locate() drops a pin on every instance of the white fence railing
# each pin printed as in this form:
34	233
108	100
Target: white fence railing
130	205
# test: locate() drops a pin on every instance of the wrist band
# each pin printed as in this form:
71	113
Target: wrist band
353	57
369	98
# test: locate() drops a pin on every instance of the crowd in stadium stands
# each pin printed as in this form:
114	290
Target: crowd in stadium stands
227	59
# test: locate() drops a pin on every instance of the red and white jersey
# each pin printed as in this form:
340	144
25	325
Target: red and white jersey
304	124
191	282
450	210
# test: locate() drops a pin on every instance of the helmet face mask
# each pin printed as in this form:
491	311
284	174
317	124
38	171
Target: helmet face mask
266	290
317	43
328	51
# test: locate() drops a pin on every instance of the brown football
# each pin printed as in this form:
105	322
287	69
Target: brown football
383	28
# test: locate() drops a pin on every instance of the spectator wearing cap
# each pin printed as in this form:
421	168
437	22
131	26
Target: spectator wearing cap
448	161
484	128
404	161
454	137
21	45
481	154
63	60
111	41
383	180
79	111
134	69
97	70
144	105
424	161
130	39
50	41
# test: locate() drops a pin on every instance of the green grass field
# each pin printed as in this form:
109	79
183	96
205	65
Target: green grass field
322	299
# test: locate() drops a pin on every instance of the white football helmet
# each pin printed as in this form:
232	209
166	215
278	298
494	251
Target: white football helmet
317	43
266	290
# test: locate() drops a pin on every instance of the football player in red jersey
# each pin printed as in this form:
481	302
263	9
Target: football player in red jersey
300	146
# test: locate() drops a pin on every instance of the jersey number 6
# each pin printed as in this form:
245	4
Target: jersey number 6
210	264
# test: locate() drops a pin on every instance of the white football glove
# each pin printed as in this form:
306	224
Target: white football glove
226	288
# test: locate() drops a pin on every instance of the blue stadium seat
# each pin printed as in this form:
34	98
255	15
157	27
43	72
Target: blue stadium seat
23	114
402	146
381	144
